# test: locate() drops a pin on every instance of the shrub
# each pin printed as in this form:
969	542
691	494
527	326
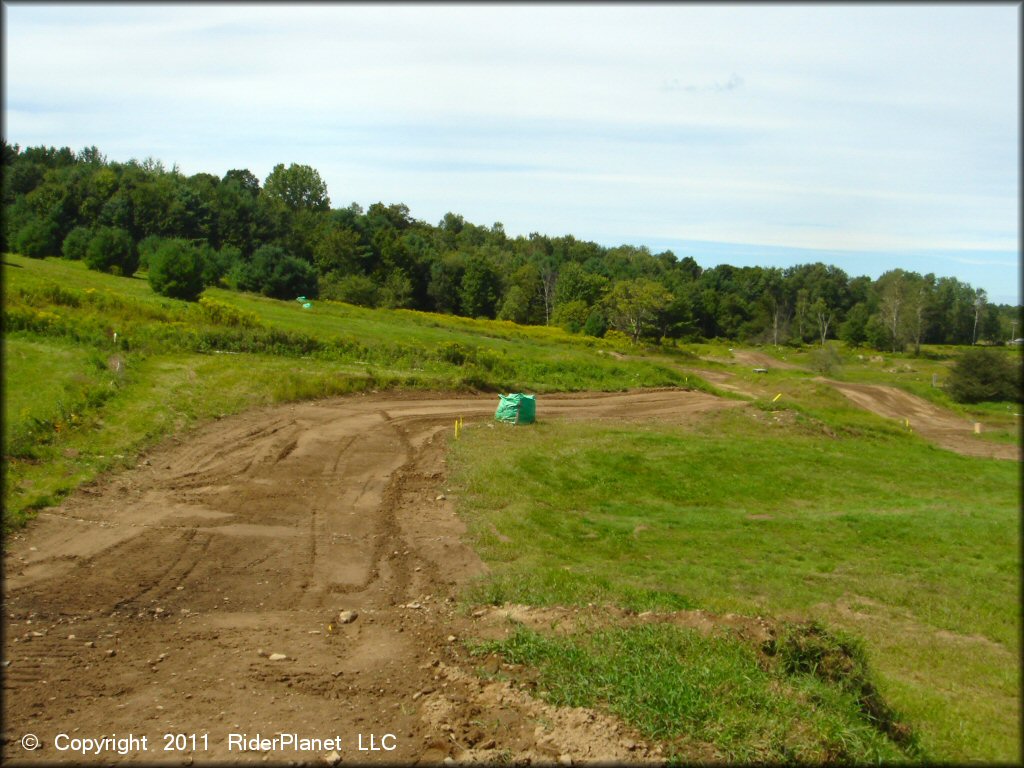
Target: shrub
76	243
396	293
250	275
572	315
176	270
826	360
111	249
147	247
479	288
219	313
352	289
36	239
854	330
515	306
218	264
981	375
618	338
455	353
291	277
273	272
597	324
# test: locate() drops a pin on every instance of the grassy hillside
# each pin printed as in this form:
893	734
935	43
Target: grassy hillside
99	367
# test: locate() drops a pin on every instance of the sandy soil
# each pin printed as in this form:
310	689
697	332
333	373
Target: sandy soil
160	600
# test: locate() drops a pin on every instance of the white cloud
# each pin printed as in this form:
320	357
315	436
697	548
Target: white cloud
810	125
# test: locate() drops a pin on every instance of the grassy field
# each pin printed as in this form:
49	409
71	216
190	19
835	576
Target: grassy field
80	400
799	508
863	528
922	375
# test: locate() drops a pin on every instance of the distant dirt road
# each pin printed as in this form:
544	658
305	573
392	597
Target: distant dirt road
931	422
761	360
151	603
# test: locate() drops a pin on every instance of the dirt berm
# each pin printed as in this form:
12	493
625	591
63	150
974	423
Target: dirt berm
162	600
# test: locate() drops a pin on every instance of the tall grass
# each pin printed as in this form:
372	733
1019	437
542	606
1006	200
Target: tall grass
718	696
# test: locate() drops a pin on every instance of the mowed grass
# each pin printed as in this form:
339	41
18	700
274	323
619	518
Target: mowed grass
449	349
852	523
37	377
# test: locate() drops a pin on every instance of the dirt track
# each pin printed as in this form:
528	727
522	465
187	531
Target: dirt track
150	604
931	422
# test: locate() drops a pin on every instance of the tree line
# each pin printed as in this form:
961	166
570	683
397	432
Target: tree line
282	238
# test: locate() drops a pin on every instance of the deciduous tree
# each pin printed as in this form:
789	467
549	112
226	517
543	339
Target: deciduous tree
633	305
298	187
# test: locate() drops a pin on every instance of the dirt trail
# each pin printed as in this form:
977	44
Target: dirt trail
931	422
761	360
151	603
748	360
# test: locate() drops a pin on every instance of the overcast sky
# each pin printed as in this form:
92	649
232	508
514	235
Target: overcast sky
865	136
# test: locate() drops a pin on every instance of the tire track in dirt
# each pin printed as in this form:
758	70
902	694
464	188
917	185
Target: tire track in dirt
157	589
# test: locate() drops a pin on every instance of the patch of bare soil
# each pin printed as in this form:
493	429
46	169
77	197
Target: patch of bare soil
761	360
931	422
750	360
202	593
723	380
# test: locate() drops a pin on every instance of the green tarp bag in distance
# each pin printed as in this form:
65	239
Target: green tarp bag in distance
516	409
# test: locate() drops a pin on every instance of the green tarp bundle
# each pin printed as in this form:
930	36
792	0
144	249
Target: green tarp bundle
516	409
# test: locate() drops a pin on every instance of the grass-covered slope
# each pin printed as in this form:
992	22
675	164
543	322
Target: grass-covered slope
97	367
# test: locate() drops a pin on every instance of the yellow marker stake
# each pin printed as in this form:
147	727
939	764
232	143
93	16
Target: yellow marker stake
776	397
